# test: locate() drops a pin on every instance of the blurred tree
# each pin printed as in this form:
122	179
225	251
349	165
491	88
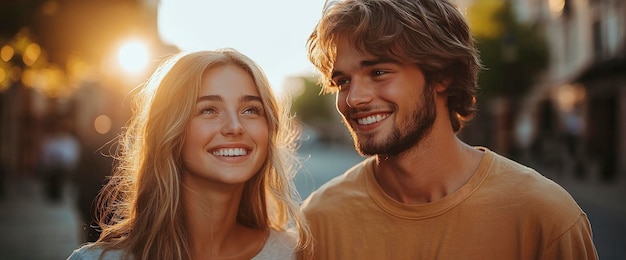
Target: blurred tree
24	61
20	54
312	107
316	111
513	54
16	14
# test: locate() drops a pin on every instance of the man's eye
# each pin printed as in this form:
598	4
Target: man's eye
341	82
379	72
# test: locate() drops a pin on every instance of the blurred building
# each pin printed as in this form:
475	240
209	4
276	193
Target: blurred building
72	62
64	60
578	108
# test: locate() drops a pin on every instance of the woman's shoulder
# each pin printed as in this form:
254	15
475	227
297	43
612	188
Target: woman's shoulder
92	251
279	245
287	237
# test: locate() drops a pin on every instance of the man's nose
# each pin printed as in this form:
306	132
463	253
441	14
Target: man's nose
359	93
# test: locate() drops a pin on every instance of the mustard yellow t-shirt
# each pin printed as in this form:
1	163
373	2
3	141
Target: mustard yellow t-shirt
505	211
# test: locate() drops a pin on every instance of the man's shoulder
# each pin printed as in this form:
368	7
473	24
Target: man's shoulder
524	184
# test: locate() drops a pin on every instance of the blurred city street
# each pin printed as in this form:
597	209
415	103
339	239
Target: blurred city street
552	95
33	228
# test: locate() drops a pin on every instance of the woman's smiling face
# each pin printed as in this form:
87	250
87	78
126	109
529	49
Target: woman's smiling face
227	137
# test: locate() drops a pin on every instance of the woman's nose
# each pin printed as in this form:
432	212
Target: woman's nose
233	125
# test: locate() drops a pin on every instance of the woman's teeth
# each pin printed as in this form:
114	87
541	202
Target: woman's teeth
230	152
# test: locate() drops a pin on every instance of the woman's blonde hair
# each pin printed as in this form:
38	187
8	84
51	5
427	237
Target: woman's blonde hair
140	206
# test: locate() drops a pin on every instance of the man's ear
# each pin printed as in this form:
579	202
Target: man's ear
442	86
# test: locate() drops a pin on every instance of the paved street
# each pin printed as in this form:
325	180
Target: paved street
33	228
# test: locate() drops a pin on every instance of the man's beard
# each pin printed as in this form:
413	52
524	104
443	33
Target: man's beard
404	136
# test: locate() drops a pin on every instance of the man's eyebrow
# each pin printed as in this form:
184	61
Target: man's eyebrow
369	63
365	64
336	73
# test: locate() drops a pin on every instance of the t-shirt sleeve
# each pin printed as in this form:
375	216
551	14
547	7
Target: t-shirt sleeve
575	243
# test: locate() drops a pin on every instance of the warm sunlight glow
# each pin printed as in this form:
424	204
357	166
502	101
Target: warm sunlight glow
556	6
273	33
6	53
133	56
102	124
567	96
31	54
3	80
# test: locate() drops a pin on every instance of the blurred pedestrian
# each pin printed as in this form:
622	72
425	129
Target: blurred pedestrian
574	128
204	168
404	73
60	155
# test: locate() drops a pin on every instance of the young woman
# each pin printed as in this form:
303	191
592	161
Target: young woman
205	168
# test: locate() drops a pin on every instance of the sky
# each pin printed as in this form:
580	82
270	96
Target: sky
272	33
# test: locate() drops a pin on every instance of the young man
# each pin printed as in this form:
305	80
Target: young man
404	72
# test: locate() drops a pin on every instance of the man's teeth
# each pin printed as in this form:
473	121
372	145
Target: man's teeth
230	152
371	119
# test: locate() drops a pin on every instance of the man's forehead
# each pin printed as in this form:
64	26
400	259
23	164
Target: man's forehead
349	53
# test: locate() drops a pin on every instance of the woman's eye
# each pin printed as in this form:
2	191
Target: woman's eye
252	110
208	111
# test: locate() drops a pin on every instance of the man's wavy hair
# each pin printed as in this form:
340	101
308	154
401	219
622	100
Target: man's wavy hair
432	34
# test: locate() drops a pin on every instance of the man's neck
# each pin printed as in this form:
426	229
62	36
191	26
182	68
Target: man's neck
427	172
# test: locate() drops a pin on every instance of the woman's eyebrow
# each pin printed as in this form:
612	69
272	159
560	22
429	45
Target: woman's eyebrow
244	98
209	98
247	98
